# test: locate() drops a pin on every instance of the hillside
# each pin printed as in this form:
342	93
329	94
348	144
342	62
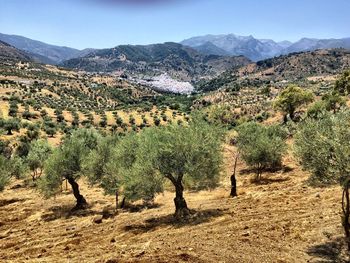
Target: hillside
302	65
45	53
180	62
9	54
295	67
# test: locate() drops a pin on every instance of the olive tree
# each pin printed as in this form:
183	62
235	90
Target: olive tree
180	153
260	146
290	99
322	146
323	149
38	153
95	166
10	125
66	163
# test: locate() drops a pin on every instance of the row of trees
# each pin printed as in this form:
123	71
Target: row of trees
138	164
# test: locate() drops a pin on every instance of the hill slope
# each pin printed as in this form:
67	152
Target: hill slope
45	53
291	68
9	53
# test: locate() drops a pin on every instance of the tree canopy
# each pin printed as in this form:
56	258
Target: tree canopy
290	99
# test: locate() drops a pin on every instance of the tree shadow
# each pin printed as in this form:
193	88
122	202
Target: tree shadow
283	169
196	218
135	208
66	211
5	202
331	251
265	181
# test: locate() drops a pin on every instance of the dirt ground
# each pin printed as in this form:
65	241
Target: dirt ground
281	219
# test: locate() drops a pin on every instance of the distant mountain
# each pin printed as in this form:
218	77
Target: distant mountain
309	44
234	45
10	54
210	49
45	53
260	49
179	62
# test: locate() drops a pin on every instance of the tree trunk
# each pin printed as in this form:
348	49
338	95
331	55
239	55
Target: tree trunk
346	213
122	205
81	202
285	119
116	201
181	209
233	179
292	115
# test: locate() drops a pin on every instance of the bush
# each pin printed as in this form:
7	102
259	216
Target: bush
261	147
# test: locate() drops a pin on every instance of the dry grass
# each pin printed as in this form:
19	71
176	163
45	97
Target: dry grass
280	220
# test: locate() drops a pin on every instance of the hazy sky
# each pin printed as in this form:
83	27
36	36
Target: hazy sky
107	23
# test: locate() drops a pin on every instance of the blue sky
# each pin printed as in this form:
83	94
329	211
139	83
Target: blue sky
107	23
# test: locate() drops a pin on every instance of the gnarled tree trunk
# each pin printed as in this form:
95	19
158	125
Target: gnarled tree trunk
81	202
181	209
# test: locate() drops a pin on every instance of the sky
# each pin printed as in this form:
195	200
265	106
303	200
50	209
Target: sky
108	23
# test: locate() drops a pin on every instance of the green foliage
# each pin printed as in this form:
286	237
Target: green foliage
95	164
322	146
342	85
290	99
316	109
5	172
333	101
10	124
261	147
18	167
66	161
40	150
139	163
222	115
23	147
33	132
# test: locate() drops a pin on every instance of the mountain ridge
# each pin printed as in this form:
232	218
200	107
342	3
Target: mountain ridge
260	49
43	52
